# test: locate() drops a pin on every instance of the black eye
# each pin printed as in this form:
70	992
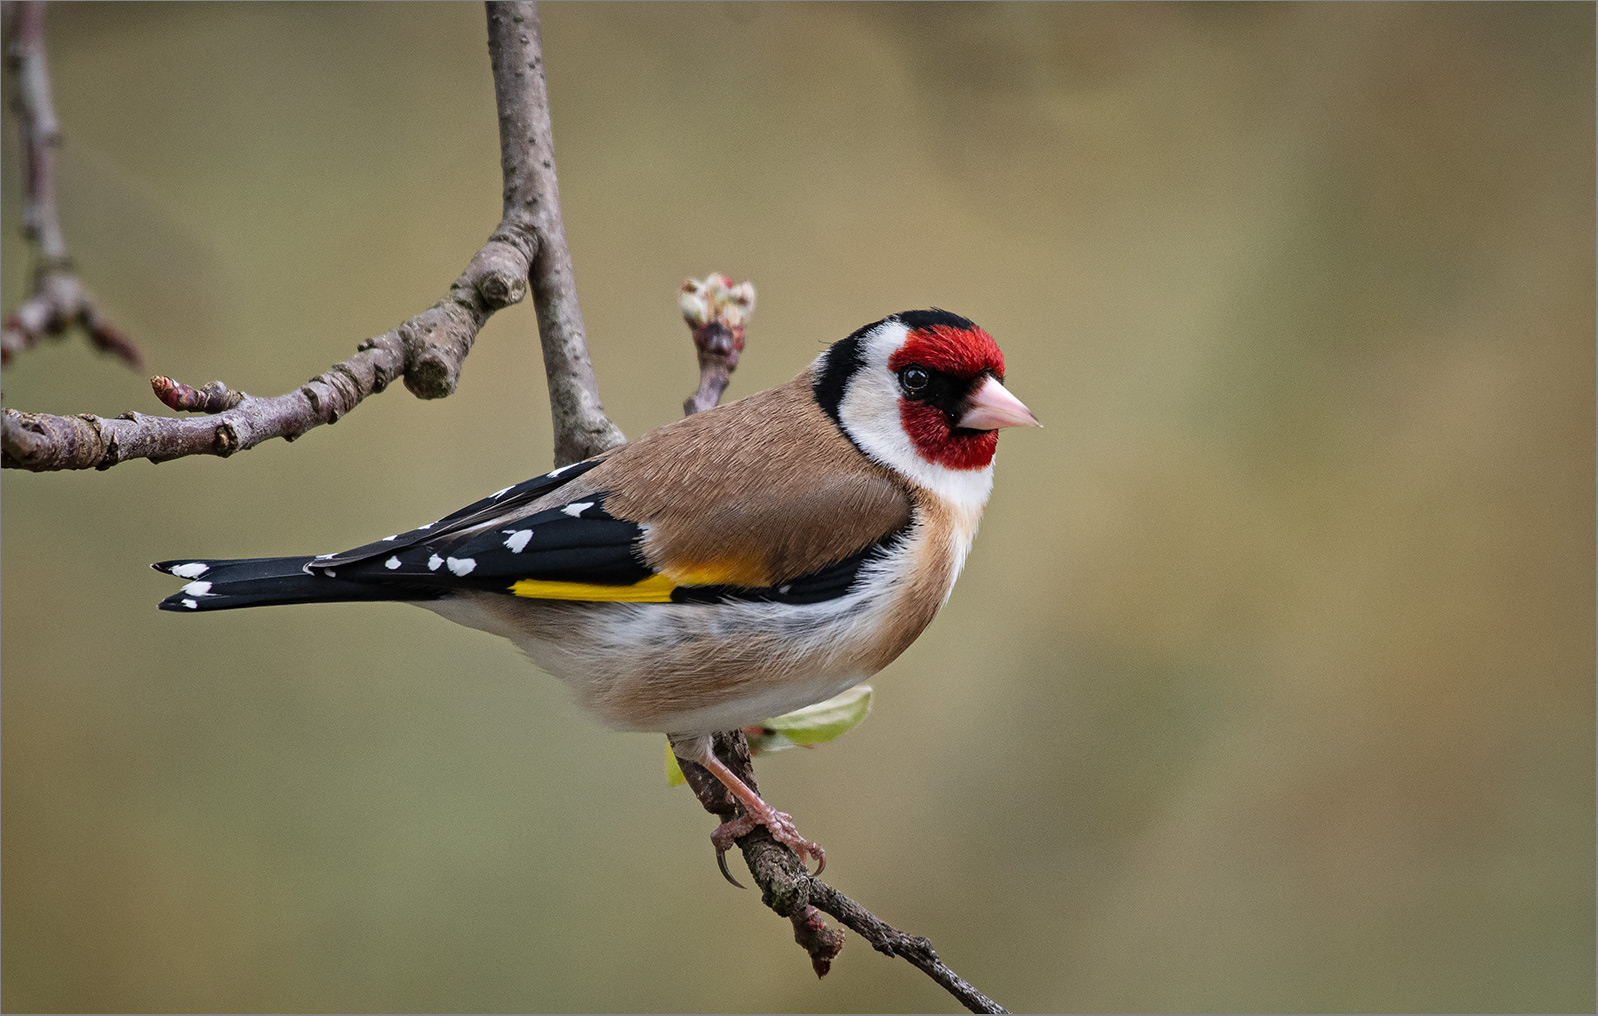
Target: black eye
914	379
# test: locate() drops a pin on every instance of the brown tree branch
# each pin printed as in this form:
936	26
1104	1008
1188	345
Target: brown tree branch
426	351
59	299
532	208
792	892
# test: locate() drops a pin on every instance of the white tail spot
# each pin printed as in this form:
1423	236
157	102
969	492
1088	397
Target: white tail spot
192	605
198	588
518	541
192	570
462	565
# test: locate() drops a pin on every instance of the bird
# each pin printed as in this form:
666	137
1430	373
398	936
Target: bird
730	566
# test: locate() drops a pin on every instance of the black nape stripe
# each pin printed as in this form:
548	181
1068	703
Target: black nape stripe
915	320
844	358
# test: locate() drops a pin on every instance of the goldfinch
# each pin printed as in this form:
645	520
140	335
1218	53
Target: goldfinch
731	566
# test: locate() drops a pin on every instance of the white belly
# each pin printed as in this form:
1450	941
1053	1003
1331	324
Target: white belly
688	669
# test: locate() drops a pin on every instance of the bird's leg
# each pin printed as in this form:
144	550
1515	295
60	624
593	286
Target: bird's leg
756	811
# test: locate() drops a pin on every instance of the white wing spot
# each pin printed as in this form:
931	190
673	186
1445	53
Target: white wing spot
784	589
430	525
462	565
393	537
192	570
576	510
391	563
323	557
330	573
434	563
198	588
501	493
518	541
191	604
562	469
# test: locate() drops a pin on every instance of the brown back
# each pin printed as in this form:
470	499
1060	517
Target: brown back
756	492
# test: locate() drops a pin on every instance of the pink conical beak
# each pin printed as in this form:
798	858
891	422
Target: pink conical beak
992	406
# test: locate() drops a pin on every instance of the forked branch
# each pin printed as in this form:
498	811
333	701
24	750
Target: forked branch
59	300
427	350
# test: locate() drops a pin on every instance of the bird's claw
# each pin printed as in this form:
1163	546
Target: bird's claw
780	823
721	862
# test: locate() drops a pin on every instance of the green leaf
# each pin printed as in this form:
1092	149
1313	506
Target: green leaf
815	724
674	776
802	728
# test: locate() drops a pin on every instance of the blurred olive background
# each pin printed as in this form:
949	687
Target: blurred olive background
1269	683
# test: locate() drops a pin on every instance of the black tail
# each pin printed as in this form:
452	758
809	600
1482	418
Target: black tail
263	581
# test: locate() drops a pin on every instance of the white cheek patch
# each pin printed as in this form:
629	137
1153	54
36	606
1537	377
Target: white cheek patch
870	413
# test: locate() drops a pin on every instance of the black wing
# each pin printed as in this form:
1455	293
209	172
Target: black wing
502	502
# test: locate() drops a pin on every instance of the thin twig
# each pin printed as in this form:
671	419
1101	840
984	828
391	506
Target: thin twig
59	299
887	939
426	351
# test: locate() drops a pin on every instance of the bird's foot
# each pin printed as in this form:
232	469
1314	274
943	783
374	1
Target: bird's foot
782	829
756	812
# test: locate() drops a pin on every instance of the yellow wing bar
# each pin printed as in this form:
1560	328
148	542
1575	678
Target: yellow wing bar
654	589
